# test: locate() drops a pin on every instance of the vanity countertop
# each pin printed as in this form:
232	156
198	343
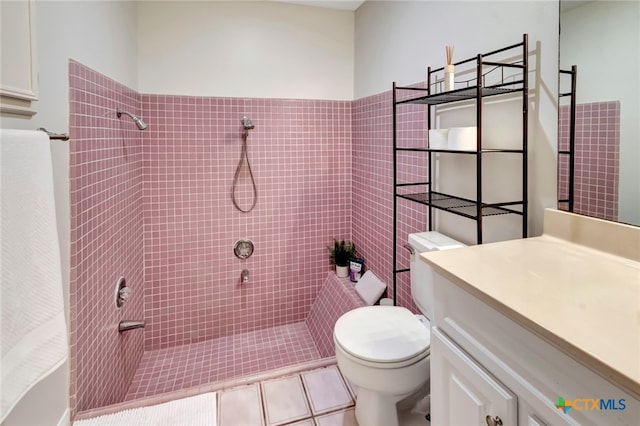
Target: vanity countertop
581	299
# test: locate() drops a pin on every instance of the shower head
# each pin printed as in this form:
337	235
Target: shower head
139	122
247	123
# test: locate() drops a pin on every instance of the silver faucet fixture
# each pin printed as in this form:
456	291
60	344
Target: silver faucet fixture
129	325
139	121
244	276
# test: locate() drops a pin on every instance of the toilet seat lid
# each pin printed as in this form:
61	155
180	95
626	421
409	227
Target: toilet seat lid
382	334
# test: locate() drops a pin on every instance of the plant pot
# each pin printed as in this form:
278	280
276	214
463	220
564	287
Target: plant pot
342	271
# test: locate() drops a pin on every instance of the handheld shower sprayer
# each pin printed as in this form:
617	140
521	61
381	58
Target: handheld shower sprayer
139	122
247	123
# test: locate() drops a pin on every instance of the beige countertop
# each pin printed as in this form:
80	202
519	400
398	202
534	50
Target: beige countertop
582	300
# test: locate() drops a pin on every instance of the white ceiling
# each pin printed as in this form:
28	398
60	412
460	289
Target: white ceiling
330	4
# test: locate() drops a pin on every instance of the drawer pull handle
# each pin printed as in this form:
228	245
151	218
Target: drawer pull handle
493	421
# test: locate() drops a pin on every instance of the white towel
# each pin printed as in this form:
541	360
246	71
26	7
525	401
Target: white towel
33	339
199	410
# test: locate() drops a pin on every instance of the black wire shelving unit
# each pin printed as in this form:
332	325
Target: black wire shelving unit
492	78
571	151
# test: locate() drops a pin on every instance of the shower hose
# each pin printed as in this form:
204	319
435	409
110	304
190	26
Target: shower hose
244	156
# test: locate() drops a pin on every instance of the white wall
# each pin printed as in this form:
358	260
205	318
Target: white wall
603	39
102	36
252	49
99	34
396	41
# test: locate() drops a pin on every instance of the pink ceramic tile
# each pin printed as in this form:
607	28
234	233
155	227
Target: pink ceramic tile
597	158
373	186
336	297
159	201
106	237
215	360
300	154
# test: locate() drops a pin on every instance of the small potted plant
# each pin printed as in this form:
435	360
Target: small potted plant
339	254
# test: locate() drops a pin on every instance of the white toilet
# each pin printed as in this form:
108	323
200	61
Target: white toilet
384	350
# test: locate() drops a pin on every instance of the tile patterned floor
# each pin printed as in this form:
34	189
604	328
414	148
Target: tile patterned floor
181	367
312	398
320	396
284	401
326	389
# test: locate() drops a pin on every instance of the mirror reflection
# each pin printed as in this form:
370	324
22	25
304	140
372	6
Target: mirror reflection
602	39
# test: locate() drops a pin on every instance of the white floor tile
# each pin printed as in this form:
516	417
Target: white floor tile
240	407
339	418
326	390
284	400
353	389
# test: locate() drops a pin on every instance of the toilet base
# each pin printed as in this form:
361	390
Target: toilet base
375	409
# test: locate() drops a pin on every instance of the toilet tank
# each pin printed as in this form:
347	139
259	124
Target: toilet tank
421	273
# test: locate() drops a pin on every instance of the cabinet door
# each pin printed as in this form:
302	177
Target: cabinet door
534	421
462	392
18	75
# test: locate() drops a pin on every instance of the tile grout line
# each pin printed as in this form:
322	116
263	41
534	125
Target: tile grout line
263	403
307	396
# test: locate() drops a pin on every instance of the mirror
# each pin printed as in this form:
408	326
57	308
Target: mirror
602	39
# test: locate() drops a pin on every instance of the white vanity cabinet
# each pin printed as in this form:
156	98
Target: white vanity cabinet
486	369
464	391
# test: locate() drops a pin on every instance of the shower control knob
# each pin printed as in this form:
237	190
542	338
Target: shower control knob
243	248
125	293
122	292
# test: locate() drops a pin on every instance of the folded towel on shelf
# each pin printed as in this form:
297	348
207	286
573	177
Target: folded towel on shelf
33	333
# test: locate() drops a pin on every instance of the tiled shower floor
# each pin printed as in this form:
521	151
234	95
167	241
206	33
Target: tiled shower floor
209	361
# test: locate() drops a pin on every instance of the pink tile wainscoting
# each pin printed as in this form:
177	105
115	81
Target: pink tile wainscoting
597	158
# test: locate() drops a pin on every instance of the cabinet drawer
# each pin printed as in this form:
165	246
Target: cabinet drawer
462	392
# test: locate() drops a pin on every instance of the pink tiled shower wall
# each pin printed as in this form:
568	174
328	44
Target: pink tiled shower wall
165	194
300	155
597	158
106	237
373	186
337	296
